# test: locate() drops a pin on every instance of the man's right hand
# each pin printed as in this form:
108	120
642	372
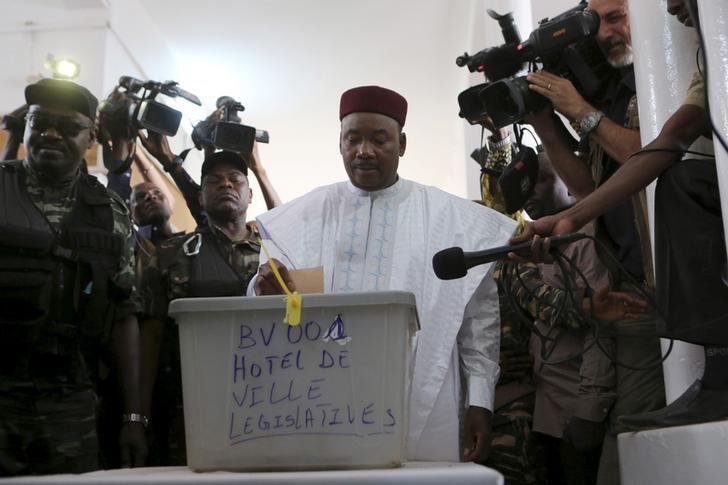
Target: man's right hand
538	233
267	283
541	118
157	146
14	122
133	445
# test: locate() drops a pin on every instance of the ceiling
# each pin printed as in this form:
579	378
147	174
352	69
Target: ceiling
33	14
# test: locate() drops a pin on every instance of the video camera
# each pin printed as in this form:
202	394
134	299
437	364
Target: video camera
228	134
564	45
133	106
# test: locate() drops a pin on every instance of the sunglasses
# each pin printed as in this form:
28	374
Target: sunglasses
65	126
234	178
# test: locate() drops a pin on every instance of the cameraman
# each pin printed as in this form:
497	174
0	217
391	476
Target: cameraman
158	146
14	124
152	225
690	250
609	133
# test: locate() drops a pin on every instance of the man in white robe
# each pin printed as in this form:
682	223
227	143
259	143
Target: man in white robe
378	232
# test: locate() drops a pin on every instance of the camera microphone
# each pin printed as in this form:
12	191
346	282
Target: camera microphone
453	263
225	100
232	108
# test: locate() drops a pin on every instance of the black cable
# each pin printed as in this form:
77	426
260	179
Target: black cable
482	145
670	150
560	260
698	56
518	134
510	268
481	162
523	128
574	310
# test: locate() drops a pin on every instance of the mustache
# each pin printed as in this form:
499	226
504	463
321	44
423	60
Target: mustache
365	164
225	195
614	42
53	146
151	203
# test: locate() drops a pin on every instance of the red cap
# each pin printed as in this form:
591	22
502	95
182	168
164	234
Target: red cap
373	99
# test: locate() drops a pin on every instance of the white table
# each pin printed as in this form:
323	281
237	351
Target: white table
412	473
694	455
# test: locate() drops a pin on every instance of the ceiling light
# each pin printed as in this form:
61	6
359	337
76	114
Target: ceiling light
62	68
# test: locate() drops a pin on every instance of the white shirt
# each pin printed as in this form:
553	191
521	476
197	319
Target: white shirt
385	240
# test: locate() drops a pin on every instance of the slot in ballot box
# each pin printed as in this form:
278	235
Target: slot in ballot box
331	392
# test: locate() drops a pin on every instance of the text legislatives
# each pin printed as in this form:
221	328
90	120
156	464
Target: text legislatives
294	380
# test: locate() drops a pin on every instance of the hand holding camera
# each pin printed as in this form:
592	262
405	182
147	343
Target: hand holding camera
223	130
14	122
564	45
158	146
562	94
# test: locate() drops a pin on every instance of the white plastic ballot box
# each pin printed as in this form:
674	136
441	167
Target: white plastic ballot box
331	392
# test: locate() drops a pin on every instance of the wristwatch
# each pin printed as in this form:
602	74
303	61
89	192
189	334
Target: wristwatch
135	418
588	123
496	144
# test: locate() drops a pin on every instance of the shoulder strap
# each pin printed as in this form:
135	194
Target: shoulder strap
21	223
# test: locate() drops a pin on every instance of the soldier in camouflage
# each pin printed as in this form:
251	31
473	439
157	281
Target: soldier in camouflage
66	279
218	259
514	453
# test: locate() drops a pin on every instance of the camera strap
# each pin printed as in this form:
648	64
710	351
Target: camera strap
178	160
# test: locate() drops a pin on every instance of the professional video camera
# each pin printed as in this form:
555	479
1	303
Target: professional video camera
132	106
228	133
564	45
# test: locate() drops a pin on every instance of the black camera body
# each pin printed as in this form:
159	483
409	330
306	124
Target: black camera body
132	106
519	179
564	45
516	181
228	134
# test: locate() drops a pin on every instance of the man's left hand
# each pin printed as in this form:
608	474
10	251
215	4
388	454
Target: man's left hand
477	434
562	94
253	161
133	445
611	306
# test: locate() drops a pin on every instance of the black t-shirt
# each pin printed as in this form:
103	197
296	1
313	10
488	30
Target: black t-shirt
619	222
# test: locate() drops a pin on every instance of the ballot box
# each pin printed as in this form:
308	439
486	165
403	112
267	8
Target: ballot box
329	393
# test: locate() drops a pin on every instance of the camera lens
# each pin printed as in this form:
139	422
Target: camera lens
471	106
509	100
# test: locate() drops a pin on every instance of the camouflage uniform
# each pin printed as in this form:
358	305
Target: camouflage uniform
170	275
47	398
635	389
514	451
553	306
109	389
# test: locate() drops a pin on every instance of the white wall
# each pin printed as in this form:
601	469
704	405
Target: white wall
27	51
30	30
288	61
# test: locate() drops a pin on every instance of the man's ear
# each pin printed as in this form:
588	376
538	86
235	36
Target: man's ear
402	143
91	138
341	150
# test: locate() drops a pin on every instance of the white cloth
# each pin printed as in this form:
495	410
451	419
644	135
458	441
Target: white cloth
385	240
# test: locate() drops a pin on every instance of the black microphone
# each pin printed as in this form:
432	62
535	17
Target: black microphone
453	263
